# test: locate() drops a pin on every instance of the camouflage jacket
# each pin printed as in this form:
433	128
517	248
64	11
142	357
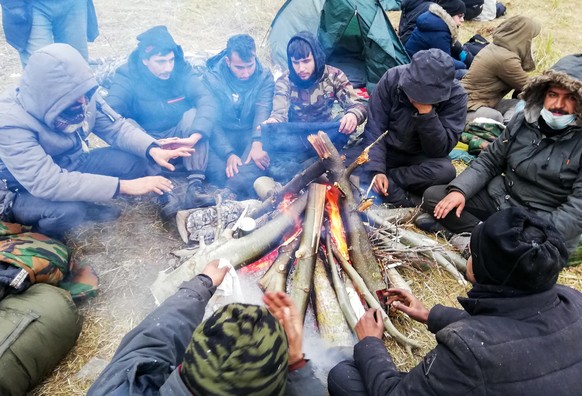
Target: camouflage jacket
292	104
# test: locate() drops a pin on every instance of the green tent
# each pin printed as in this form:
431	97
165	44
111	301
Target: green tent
356	35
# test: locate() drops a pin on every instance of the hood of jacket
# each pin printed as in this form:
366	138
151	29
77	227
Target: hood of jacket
516	35
566	73
318	57
181	70
437	19
54	78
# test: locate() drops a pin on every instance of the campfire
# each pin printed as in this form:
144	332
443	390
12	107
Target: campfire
314	245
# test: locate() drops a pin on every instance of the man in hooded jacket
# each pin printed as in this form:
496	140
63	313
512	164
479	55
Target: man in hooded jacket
160	91
517	334
423	108
499	68
244	92
49	177
535	163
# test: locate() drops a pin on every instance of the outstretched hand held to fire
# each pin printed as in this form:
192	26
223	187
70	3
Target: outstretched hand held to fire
162	156
381	183
259	156
406	302
348	123
370	325
282	307
452	200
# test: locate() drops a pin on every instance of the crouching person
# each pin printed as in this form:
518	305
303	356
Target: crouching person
518	332
240	350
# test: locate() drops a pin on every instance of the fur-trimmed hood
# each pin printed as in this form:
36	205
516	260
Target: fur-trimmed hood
516	35
566	73
439	11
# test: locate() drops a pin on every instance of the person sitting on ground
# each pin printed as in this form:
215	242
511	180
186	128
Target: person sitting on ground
308	92
535	162
424	109
439	28
241	349
517	333
159	90
499	68
411	9
244	92
48	177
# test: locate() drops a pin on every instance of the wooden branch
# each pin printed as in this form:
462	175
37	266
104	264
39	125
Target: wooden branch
339	287
307	252
276	277
372	301
332	324
239	252
363	157
361	252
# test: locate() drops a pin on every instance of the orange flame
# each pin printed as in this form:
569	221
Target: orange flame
265	262
338	234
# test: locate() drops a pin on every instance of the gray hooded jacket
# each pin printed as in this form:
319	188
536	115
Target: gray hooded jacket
43	160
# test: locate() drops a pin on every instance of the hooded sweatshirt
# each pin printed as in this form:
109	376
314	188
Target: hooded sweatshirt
502	65
43	160
312	101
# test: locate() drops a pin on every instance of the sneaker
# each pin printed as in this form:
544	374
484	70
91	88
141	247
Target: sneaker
197	196
461	242
427	223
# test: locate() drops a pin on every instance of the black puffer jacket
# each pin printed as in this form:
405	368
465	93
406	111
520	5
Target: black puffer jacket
501	344
411	9
158	105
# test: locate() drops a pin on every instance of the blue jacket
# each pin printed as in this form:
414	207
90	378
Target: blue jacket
434	29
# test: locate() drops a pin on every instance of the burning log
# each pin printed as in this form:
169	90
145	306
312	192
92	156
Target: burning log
307	252
330	318
361	253
276	276
238	251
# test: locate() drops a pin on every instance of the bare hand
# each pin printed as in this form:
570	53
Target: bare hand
270	121
370	325
176	142
213	272
452	200
282	307
348	123
406	302
381	184
162	156
144	185
259	156
421	107
232	164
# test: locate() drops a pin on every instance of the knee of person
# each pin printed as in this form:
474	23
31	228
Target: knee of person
433	195
338	375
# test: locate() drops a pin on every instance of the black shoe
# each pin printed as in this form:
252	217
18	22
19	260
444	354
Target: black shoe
101	213
197	196
171	204
427	223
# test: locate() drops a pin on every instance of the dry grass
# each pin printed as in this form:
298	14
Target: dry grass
128	254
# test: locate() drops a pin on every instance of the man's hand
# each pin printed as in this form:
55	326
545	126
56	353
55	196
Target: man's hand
270	121
421	107
259	156
144	185
370	325
213	272
232	164
381	183
162	156
348	123
176	142
454	199
282	307
406	302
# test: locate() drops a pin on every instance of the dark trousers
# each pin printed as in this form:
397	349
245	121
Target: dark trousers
478	208
241	183
56	218
345	380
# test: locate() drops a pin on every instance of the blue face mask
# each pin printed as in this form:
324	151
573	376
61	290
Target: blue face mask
557	122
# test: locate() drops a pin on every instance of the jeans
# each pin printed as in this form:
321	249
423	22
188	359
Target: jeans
57	21
56	218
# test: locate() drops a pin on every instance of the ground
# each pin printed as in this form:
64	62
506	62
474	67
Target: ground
128	254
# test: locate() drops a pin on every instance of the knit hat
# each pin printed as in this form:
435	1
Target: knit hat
154	41
453	7
429	77
240	350
518	249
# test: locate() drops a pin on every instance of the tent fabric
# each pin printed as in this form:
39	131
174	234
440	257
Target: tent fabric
356	35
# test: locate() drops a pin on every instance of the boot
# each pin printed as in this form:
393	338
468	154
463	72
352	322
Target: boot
171	204
427	223
197	196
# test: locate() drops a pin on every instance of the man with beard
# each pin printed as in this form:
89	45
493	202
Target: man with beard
535	163
49	178
159	90
244	92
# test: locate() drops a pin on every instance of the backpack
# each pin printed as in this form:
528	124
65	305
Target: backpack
476	44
